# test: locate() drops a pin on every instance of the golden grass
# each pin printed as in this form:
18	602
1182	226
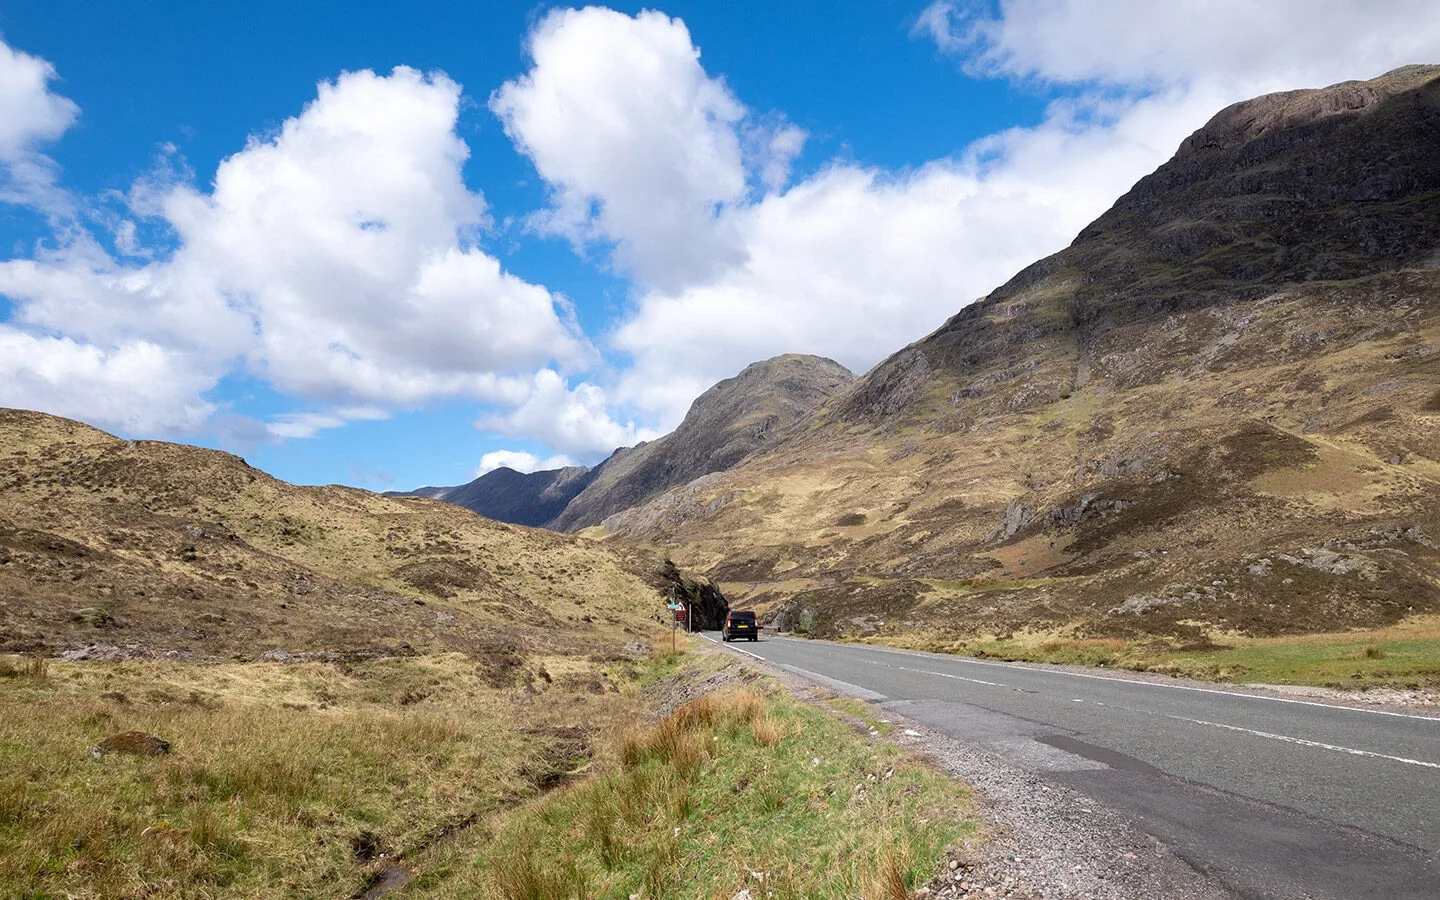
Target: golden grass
279	779
888	879
705	803
1405	655
1342	478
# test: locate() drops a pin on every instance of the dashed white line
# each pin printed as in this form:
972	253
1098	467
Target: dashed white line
942	675
1274	737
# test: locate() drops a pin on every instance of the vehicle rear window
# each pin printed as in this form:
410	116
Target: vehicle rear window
746	616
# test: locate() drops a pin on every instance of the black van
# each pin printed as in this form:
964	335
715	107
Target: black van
740	623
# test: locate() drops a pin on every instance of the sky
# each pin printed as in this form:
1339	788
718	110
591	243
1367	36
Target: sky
392	245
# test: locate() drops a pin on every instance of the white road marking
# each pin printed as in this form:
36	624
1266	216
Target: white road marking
1305	743
941	674
1264	734
1274	737
1174	687
736	649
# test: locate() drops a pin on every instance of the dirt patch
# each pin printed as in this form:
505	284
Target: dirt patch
443	577
672	692
556	754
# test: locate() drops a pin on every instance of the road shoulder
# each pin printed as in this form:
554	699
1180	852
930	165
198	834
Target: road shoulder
1047	841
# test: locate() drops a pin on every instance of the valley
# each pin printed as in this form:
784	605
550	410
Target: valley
1209	423
1202	441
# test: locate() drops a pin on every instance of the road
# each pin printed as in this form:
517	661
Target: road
1277	798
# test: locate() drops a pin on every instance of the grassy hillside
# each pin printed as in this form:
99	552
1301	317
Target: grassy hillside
1214	418
143	549
358	692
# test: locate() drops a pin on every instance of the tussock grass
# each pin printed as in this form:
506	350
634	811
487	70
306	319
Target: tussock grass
283	780
888	880
734	790
32	666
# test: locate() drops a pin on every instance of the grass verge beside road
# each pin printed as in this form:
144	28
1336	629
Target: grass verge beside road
301	779
740	789
314	779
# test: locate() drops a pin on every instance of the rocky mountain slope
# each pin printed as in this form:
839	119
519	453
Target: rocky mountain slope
126	549
726	424
1217	412
520	498
729	422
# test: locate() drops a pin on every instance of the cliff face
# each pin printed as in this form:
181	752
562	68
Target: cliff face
1217	410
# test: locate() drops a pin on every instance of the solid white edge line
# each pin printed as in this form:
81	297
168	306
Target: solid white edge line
728	647
970	660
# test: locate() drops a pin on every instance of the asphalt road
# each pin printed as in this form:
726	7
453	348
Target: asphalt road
1278	798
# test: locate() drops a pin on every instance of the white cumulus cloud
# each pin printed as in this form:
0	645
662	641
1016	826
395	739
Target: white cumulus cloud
573	420
1302	43
337	259
30	116
135	386
853	262
638	144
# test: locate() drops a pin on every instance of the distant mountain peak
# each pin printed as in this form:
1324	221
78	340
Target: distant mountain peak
726	424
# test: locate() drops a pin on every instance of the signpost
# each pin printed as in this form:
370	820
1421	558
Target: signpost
680	612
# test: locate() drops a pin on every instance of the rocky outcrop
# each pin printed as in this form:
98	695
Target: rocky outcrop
707	606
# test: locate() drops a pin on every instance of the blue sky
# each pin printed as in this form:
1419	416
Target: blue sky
539	237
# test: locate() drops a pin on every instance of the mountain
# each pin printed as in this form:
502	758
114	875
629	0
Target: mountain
726	424
520	498
1216	413
729	422
138	549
